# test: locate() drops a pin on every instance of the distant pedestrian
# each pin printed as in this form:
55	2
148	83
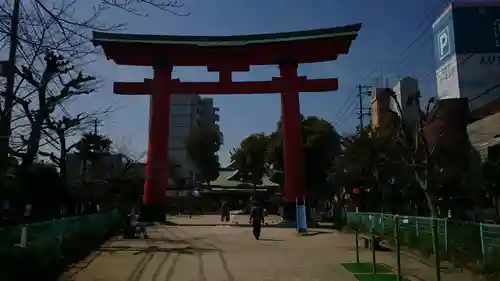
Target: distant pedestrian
224	211
256	219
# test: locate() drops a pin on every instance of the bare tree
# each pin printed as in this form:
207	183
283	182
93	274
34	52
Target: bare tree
39	115
62	129
418	154
130	157
62	28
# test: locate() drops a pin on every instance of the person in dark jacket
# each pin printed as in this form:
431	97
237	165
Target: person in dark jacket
256	219
224	211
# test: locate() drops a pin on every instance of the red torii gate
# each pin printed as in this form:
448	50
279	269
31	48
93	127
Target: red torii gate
225	54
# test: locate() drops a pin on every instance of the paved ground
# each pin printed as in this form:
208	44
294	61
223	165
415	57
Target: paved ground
199	249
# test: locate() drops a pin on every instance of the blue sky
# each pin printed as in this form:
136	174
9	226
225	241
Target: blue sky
389	27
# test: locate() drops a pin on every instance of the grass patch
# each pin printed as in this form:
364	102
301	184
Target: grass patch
364	267
378	277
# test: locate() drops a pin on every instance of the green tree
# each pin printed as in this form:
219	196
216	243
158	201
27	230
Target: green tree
43	189
202	146
371	162
251	157
321	144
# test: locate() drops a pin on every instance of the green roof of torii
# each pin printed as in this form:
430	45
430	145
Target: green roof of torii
236	40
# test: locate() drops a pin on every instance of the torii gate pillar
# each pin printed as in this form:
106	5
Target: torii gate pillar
157	169
294	181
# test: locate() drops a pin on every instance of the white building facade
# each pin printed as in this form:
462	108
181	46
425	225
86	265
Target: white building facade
186	114
407	92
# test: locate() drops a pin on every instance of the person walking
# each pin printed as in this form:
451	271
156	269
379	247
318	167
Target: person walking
256	219
224	211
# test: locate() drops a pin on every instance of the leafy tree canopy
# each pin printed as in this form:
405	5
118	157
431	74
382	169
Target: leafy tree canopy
321	145
250	158
202	146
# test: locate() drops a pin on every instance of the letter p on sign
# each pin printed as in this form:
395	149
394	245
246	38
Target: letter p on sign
443	43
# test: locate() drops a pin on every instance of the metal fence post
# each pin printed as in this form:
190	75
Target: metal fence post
446	235
435	248
357	243
481	233
382	222
416	226
398	249
374	259
373	223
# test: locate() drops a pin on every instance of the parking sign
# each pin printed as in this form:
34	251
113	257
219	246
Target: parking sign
444	43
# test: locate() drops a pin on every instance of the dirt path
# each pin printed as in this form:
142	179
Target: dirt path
199	249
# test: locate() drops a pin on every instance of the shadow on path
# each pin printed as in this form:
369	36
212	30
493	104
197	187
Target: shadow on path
140	267
316	232
171	269
225	266
190	250
269	239
162	239
233	224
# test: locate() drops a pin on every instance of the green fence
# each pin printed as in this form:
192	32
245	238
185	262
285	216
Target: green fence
51	245
461	241
58	229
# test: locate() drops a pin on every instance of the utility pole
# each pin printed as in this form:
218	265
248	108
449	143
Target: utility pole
10	75
96	125
363	90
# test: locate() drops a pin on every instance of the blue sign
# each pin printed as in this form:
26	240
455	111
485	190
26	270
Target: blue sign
444	38
467	53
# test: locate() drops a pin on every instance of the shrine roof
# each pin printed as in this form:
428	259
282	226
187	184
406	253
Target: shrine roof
226	179
235	40
240	51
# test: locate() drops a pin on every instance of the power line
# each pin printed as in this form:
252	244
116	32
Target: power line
350	109
351	105
349	97
421	34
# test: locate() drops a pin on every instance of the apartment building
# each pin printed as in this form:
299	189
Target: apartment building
380	110
187	113
406	93
387	105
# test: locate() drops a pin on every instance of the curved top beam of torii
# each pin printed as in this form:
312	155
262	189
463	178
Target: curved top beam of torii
218	52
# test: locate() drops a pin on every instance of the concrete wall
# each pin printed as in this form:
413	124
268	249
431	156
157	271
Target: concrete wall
406	90
484	133
380	109
447	129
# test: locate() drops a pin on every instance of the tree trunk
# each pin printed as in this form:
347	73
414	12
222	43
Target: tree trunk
431	204
33	146
430	198
63	171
